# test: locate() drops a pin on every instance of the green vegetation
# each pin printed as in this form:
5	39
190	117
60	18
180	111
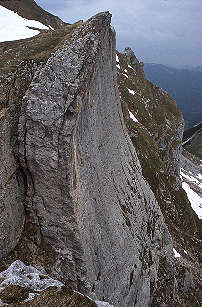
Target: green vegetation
37	48
155	141
20	59
15	295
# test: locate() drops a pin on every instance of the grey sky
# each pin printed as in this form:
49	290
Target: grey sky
159	31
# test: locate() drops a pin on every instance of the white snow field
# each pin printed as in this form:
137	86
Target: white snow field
14	27
194	198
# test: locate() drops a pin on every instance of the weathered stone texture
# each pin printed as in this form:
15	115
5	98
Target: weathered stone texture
12	178
11	183
86	191
80	179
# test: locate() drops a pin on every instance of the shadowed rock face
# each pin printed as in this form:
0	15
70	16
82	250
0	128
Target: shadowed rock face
86	191
12	188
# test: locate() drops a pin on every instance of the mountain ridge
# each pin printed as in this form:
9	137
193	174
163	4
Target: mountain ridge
90	170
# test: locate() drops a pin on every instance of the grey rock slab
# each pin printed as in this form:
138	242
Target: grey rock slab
12	191
86	191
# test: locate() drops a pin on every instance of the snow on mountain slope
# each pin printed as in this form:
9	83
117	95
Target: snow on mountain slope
194	198
31	283
192	182
14	27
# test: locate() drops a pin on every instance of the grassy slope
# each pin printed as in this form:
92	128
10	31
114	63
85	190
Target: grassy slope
20	59
15	295
154	108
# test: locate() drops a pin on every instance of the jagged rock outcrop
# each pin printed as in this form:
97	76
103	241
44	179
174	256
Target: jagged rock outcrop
96	211
91	218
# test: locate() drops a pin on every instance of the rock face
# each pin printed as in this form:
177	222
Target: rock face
12	190
97	211
19	62
91	218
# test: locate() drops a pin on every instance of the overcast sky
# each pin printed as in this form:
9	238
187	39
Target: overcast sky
159	31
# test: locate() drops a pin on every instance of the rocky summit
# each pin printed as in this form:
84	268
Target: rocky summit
96	196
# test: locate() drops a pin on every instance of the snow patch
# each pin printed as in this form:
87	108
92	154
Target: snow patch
189	139
130	67
125	70
118	66
117	58
133	117
30	277
26	276
191	178
199	176
125	75
14	27
103	304
194	198
131	91
176	254
185	251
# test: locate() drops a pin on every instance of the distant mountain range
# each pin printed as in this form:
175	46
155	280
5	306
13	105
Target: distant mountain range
184	84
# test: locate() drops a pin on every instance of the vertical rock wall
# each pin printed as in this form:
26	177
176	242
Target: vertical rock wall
12	180
11	185
85	190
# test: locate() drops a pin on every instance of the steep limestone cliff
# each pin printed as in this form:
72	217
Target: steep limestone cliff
91	218
86	192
